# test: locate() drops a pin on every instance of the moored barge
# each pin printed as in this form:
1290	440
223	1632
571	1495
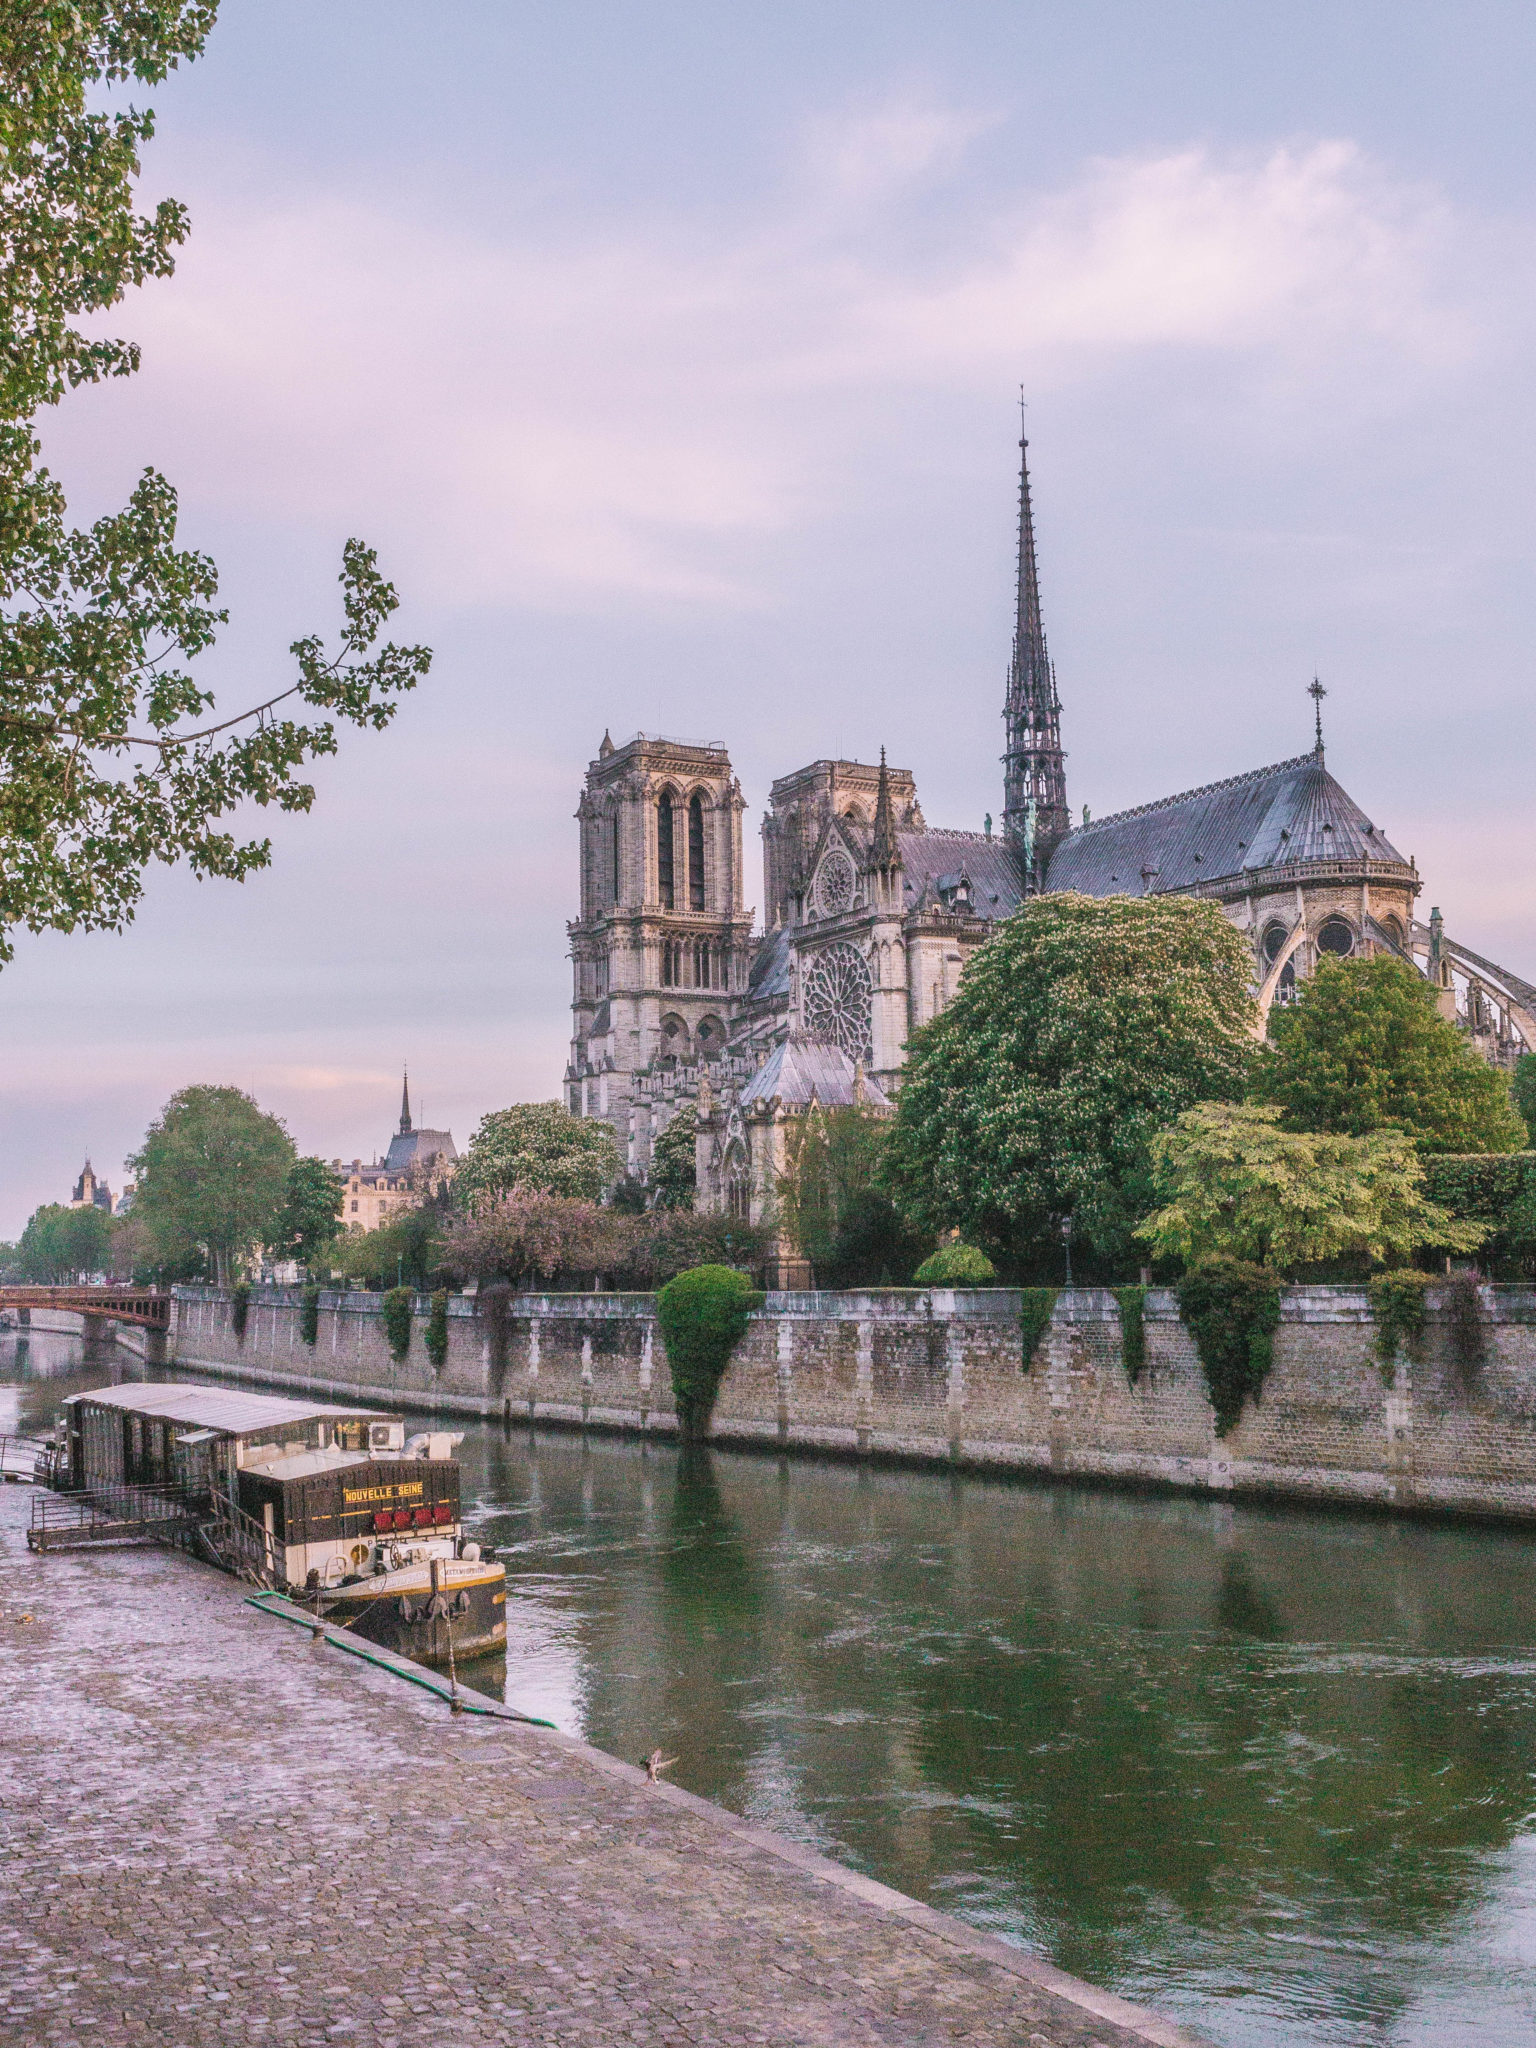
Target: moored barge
336	1507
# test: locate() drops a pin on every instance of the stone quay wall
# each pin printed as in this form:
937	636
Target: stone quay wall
938	1377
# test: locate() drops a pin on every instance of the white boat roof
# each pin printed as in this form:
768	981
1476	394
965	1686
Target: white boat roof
229	1410
305	1464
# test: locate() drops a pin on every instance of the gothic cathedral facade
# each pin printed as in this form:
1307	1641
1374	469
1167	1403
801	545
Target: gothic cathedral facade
870	915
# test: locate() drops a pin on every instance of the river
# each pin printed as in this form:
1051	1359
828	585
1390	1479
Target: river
1270	1771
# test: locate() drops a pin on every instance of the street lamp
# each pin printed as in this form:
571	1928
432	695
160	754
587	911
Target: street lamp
1066	1240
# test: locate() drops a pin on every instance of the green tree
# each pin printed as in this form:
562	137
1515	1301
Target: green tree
1079	1031
111	756
536	1148
212	1175
310	1217
674	1167
409	1247
833	1207
703	1315
1522	1086
1234	1185
61	1244
1364	1047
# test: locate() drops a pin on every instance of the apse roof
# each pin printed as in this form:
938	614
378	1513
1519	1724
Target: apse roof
799	1067
1270	817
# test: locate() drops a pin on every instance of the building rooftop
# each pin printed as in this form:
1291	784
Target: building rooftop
800	1067
229	1410
1293	812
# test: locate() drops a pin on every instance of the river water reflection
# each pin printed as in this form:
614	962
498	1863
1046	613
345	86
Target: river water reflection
1268	1771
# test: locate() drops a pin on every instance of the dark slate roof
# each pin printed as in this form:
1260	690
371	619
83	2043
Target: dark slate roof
407	1148
768	976
1271	817
801	1067
937	856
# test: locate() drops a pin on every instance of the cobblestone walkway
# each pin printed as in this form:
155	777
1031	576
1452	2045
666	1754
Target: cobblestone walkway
213	1831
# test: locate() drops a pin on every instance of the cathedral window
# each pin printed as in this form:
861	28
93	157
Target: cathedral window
696	856
1336	936
668	964
1275	936
614	876
839	999
664	852
834	885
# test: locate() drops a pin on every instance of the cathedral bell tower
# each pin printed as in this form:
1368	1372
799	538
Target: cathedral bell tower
660	951
1035	815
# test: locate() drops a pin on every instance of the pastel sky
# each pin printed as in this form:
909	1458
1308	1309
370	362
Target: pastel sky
670	358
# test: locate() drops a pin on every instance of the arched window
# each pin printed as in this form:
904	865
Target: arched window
701	963
1336	936
1275	936
614	876
696	855
664	850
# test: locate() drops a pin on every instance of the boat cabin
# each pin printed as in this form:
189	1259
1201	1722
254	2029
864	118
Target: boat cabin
198	1439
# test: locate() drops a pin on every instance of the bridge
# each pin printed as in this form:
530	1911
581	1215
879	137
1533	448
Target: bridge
117	1304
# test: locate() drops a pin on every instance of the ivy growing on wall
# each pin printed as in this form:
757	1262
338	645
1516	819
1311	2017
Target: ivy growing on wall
1036	1307
398	1304
239	1309
437	1330
1232	1310
1133	1330
703	1316
309	1316
1397	1302
1468	1331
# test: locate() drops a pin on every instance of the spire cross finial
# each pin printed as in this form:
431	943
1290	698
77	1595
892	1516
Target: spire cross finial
1317	693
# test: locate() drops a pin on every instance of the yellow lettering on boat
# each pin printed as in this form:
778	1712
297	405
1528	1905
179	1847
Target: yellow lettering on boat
364	1496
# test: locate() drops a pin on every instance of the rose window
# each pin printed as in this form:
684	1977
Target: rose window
839	999
834	885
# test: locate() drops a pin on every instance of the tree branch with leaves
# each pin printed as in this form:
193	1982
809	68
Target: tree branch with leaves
112	757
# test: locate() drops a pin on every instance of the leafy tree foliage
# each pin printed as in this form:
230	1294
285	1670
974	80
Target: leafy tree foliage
410	1246
1235	1185
212	1177
537	1148
1523	1087
834	1209
1084	1027
310	1217
534	1240
674	1170
111	756
61	1244
1364	1047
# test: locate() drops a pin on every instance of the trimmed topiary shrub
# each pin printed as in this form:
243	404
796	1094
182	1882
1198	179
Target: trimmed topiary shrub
1133	1330
1397	1302
1036	1307
1232	1310
239	1309
309	1316
703	1317
437	1330
955	1265
398	1304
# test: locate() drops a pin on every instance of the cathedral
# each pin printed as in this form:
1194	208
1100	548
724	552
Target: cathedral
870	914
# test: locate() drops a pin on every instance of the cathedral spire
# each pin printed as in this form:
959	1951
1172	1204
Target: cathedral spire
405	1103
883	852
1035	812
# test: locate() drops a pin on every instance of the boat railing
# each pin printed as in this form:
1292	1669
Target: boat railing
252	1550
110	1510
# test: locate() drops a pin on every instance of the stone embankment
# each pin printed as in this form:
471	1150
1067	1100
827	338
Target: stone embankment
216	1832
939	1377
